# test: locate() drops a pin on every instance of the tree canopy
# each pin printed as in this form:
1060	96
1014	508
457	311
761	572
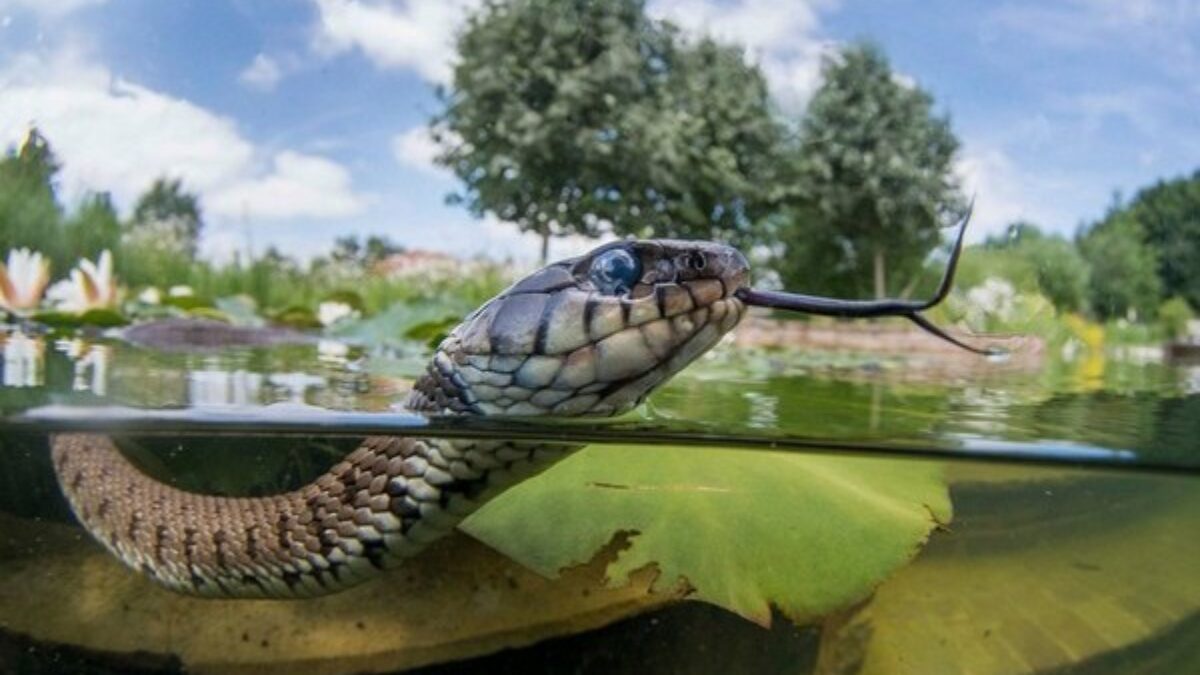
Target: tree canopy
29	210
1124	279
170	210
874	180
569	117
1169	215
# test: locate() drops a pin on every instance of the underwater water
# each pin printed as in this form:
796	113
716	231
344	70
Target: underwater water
764	511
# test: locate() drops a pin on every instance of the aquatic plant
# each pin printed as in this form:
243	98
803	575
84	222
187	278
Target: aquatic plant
22	280
332	311
90	286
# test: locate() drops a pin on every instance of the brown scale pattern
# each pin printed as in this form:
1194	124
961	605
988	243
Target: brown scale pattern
375	506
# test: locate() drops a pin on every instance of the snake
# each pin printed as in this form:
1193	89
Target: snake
592	335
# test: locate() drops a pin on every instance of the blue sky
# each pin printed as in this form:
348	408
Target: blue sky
301	120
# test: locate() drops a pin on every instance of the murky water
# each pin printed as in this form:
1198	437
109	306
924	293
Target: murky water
880	520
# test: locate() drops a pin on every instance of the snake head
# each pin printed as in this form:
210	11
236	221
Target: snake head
591	335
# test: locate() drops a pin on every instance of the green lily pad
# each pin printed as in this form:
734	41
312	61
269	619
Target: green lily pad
416	321
431	333
241	310
297	317
187	302
743	530
212	313
104	318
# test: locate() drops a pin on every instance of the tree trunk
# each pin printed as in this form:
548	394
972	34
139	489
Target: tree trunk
880	276
545	246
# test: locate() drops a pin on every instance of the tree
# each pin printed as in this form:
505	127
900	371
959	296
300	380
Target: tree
159	242
712	155
570	117
1055	265
93	227
1124	279
379	247
350	250
1169	214
875	180
29	212
167	210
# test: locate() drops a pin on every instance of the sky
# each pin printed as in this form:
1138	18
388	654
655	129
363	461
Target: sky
298	121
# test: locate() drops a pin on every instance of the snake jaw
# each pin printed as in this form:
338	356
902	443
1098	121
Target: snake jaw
555	344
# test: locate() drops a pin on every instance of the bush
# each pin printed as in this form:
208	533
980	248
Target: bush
1173	316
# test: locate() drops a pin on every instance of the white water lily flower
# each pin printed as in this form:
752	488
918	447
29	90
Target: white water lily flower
91	286
22	280
150	296
180	292
332	311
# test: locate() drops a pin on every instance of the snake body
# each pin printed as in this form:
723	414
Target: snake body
592	335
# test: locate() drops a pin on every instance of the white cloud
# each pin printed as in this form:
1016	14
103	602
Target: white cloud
416	149
989	176
117	136
1005	193
417	34
262	74
297	186
48	8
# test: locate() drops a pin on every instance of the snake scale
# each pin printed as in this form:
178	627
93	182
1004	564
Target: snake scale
592	335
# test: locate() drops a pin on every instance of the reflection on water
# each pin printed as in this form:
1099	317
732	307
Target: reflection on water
1042	569
24	357
91	364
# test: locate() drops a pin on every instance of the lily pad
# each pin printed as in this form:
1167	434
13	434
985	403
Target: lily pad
432	332
1038	576
417	321
187	302
297	317
93	317
743	530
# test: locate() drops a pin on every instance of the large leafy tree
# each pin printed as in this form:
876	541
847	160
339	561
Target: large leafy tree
1124	279
1169	215
713	151
570	117
875	180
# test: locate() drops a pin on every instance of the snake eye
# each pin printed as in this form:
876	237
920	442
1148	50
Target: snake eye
615	271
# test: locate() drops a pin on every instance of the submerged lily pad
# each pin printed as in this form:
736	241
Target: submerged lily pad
1070	573
743	530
